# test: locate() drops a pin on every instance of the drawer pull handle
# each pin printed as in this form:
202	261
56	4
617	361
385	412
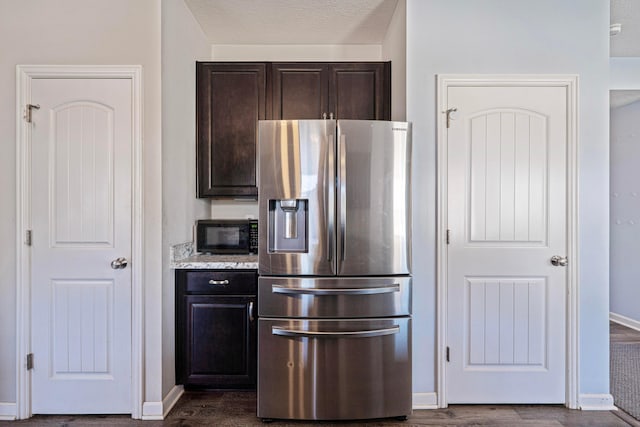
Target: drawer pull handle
278	289
275	330
250	309
219	282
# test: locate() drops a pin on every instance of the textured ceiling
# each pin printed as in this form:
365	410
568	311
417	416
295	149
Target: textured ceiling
293	21
627	13
344	22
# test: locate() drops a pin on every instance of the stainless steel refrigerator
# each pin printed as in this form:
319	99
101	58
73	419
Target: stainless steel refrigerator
334	292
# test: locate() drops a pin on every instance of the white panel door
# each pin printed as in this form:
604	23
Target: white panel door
81	220
507	189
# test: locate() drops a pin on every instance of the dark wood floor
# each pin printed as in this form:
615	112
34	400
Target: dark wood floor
238	409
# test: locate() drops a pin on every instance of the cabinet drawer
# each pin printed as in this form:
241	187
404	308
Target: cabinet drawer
213	282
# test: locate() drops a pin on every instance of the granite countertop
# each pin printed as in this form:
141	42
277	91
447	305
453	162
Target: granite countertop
182	256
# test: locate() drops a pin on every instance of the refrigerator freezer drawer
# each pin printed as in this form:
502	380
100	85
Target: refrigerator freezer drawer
334	369
334	297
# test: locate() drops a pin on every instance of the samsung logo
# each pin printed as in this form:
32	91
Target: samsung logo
399	129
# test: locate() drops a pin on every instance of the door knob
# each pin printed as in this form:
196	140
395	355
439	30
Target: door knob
119	263
559	261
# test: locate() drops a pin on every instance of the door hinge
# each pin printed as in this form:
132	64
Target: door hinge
29	361
27	237
27	111
448	236
447	354
451	115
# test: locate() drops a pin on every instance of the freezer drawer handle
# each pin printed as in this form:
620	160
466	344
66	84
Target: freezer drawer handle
342	334
219	282
278	289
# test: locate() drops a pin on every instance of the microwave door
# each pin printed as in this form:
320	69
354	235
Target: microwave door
374	208
296	197
219	236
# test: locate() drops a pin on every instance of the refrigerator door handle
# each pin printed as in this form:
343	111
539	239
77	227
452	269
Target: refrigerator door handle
275	330
329	202
279	289
343	197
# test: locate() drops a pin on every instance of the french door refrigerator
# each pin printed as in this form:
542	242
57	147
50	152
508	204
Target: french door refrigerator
334	292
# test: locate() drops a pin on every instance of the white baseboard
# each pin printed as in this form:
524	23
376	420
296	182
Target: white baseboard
425	400
588	402
152	411
625	321
8	411
596	402
159	410
171	399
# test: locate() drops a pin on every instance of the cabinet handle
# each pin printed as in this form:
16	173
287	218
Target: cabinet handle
250	309
218	282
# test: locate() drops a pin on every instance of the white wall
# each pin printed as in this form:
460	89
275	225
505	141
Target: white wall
183	42
625	211
394	49
625	75
496	36
294	52
79	32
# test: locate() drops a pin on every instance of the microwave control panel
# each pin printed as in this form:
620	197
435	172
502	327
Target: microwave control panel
253	236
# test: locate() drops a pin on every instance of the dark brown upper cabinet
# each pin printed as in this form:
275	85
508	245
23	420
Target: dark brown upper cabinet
300	90
230	99
360	90
340	90
232	96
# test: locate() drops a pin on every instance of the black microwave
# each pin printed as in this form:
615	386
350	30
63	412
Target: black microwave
227	236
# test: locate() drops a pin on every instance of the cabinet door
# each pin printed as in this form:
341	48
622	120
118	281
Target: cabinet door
220	341
299	90
360	90
230	99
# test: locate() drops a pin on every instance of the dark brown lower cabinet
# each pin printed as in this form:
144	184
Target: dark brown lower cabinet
216	328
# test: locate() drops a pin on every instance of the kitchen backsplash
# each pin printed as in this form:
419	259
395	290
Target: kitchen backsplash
234	209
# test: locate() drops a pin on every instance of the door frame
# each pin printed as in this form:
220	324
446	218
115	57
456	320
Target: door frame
25	74
570	82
